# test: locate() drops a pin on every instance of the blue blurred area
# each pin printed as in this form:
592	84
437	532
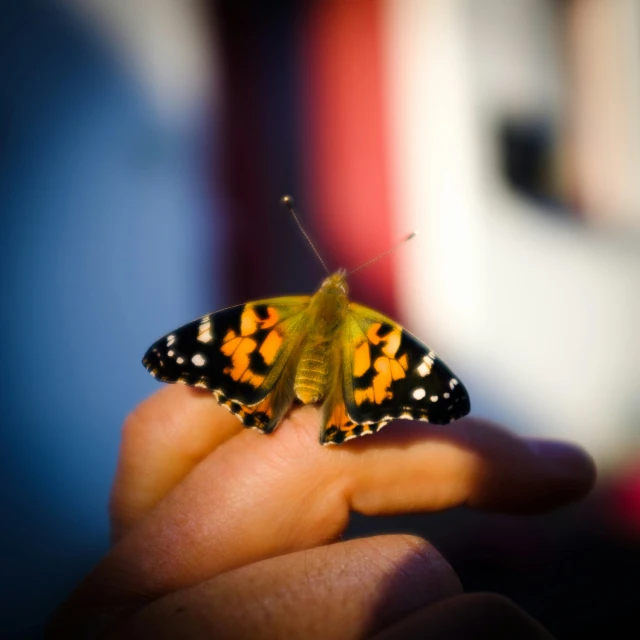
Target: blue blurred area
106	243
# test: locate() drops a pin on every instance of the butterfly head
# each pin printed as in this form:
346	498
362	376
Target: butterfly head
336	284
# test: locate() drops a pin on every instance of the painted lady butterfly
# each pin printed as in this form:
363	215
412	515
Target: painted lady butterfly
259	357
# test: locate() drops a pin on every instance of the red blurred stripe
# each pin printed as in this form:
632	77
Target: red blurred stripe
626	498
346	155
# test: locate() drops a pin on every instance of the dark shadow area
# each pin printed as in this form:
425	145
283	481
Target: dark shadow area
570	569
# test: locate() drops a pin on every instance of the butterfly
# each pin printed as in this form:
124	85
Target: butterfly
260	357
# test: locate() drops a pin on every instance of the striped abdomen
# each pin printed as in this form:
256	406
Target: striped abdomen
312	374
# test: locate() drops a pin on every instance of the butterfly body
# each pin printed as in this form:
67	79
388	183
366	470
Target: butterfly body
363	368
325	316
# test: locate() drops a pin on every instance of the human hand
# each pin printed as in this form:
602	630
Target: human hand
222	532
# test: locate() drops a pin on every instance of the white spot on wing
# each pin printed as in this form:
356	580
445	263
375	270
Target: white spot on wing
170	340
452	383
446	395
204	332
170	353
179	360
424	368
418	394
198	360
434	398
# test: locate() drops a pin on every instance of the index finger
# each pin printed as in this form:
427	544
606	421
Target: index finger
175	429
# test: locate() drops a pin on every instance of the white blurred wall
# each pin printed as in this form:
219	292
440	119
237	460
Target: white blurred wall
540	311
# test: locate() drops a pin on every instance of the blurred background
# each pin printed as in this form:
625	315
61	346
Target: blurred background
145	146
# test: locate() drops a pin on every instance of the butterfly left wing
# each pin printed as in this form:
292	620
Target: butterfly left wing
245	354
388	373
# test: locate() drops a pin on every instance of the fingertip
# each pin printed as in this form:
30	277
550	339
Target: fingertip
178	415
535	476
566	473
568	461
163	438
520	475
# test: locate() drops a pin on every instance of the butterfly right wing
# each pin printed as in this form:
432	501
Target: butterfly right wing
387	373
245	354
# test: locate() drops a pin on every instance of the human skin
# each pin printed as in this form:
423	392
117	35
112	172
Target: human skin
223	532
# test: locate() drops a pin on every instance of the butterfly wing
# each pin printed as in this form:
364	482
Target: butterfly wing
388	373
245	354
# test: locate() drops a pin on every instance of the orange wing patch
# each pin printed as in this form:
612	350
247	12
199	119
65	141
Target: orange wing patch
388	368
390	342
270	346
364	395
361	359
339	427
339	417
240	347
250	322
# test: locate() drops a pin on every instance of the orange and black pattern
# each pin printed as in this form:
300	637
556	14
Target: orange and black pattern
236	352
406	376
364	369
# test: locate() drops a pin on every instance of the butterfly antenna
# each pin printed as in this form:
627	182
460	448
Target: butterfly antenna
287	201
413	234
